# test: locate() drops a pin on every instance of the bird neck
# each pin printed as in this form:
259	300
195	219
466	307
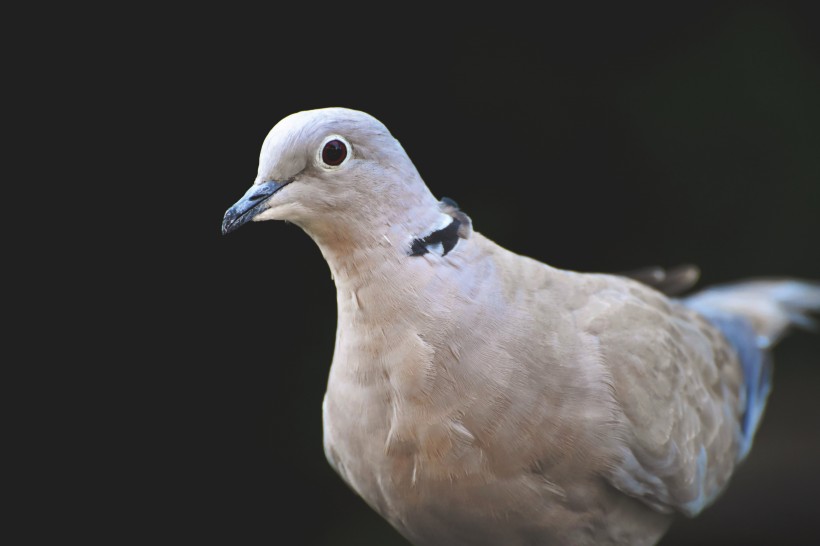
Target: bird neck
374	247
357	259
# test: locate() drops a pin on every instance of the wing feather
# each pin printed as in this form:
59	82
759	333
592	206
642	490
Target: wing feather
677	384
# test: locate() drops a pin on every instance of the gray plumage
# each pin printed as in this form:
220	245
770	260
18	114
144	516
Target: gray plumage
477	396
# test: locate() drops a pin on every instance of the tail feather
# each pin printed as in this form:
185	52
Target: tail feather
798	299
772	307
753	316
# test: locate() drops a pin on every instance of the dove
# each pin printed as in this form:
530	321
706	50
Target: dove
478	396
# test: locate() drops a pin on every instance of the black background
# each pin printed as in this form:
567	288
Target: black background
593	140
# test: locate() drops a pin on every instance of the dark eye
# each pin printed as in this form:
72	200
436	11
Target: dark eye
334	152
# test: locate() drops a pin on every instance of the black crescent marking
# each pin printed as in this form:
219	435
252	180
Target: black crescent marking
447	236
418	248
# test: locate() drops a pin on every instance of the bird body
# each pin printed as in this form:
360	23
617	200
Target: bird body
477	396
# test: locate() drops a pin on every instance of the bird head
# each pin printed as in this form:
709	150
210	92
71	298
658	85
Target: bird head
334	172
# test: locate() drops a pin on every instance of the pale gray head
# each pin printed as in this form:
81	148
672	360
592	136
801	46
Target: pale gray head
333	171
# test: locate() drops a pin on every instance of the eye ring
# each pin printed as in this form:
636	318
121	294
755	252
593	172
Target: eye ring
334	151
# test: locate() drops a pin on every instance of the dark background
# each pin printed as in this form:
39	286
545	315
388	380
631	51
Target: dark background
593	140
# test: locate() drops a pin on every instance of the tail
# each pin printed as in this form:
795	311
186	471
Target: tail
754	316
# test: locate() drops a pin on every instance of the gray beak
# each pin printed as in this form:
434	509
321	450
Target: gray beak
250	205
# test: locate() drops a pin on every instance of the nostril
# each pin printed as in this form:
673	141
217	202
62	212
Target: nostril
256	197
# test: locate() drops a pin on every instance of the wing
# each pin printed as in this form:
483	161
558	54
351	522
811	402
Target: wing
677	385
671	282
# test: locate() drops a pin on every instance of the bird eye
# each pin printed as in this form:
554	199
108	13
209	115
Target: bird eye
334	152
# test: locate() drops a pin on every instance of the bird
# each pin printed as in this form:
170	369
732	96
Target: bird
478	396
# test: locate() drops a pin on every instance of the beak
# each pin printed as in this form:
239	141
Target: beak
251	204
